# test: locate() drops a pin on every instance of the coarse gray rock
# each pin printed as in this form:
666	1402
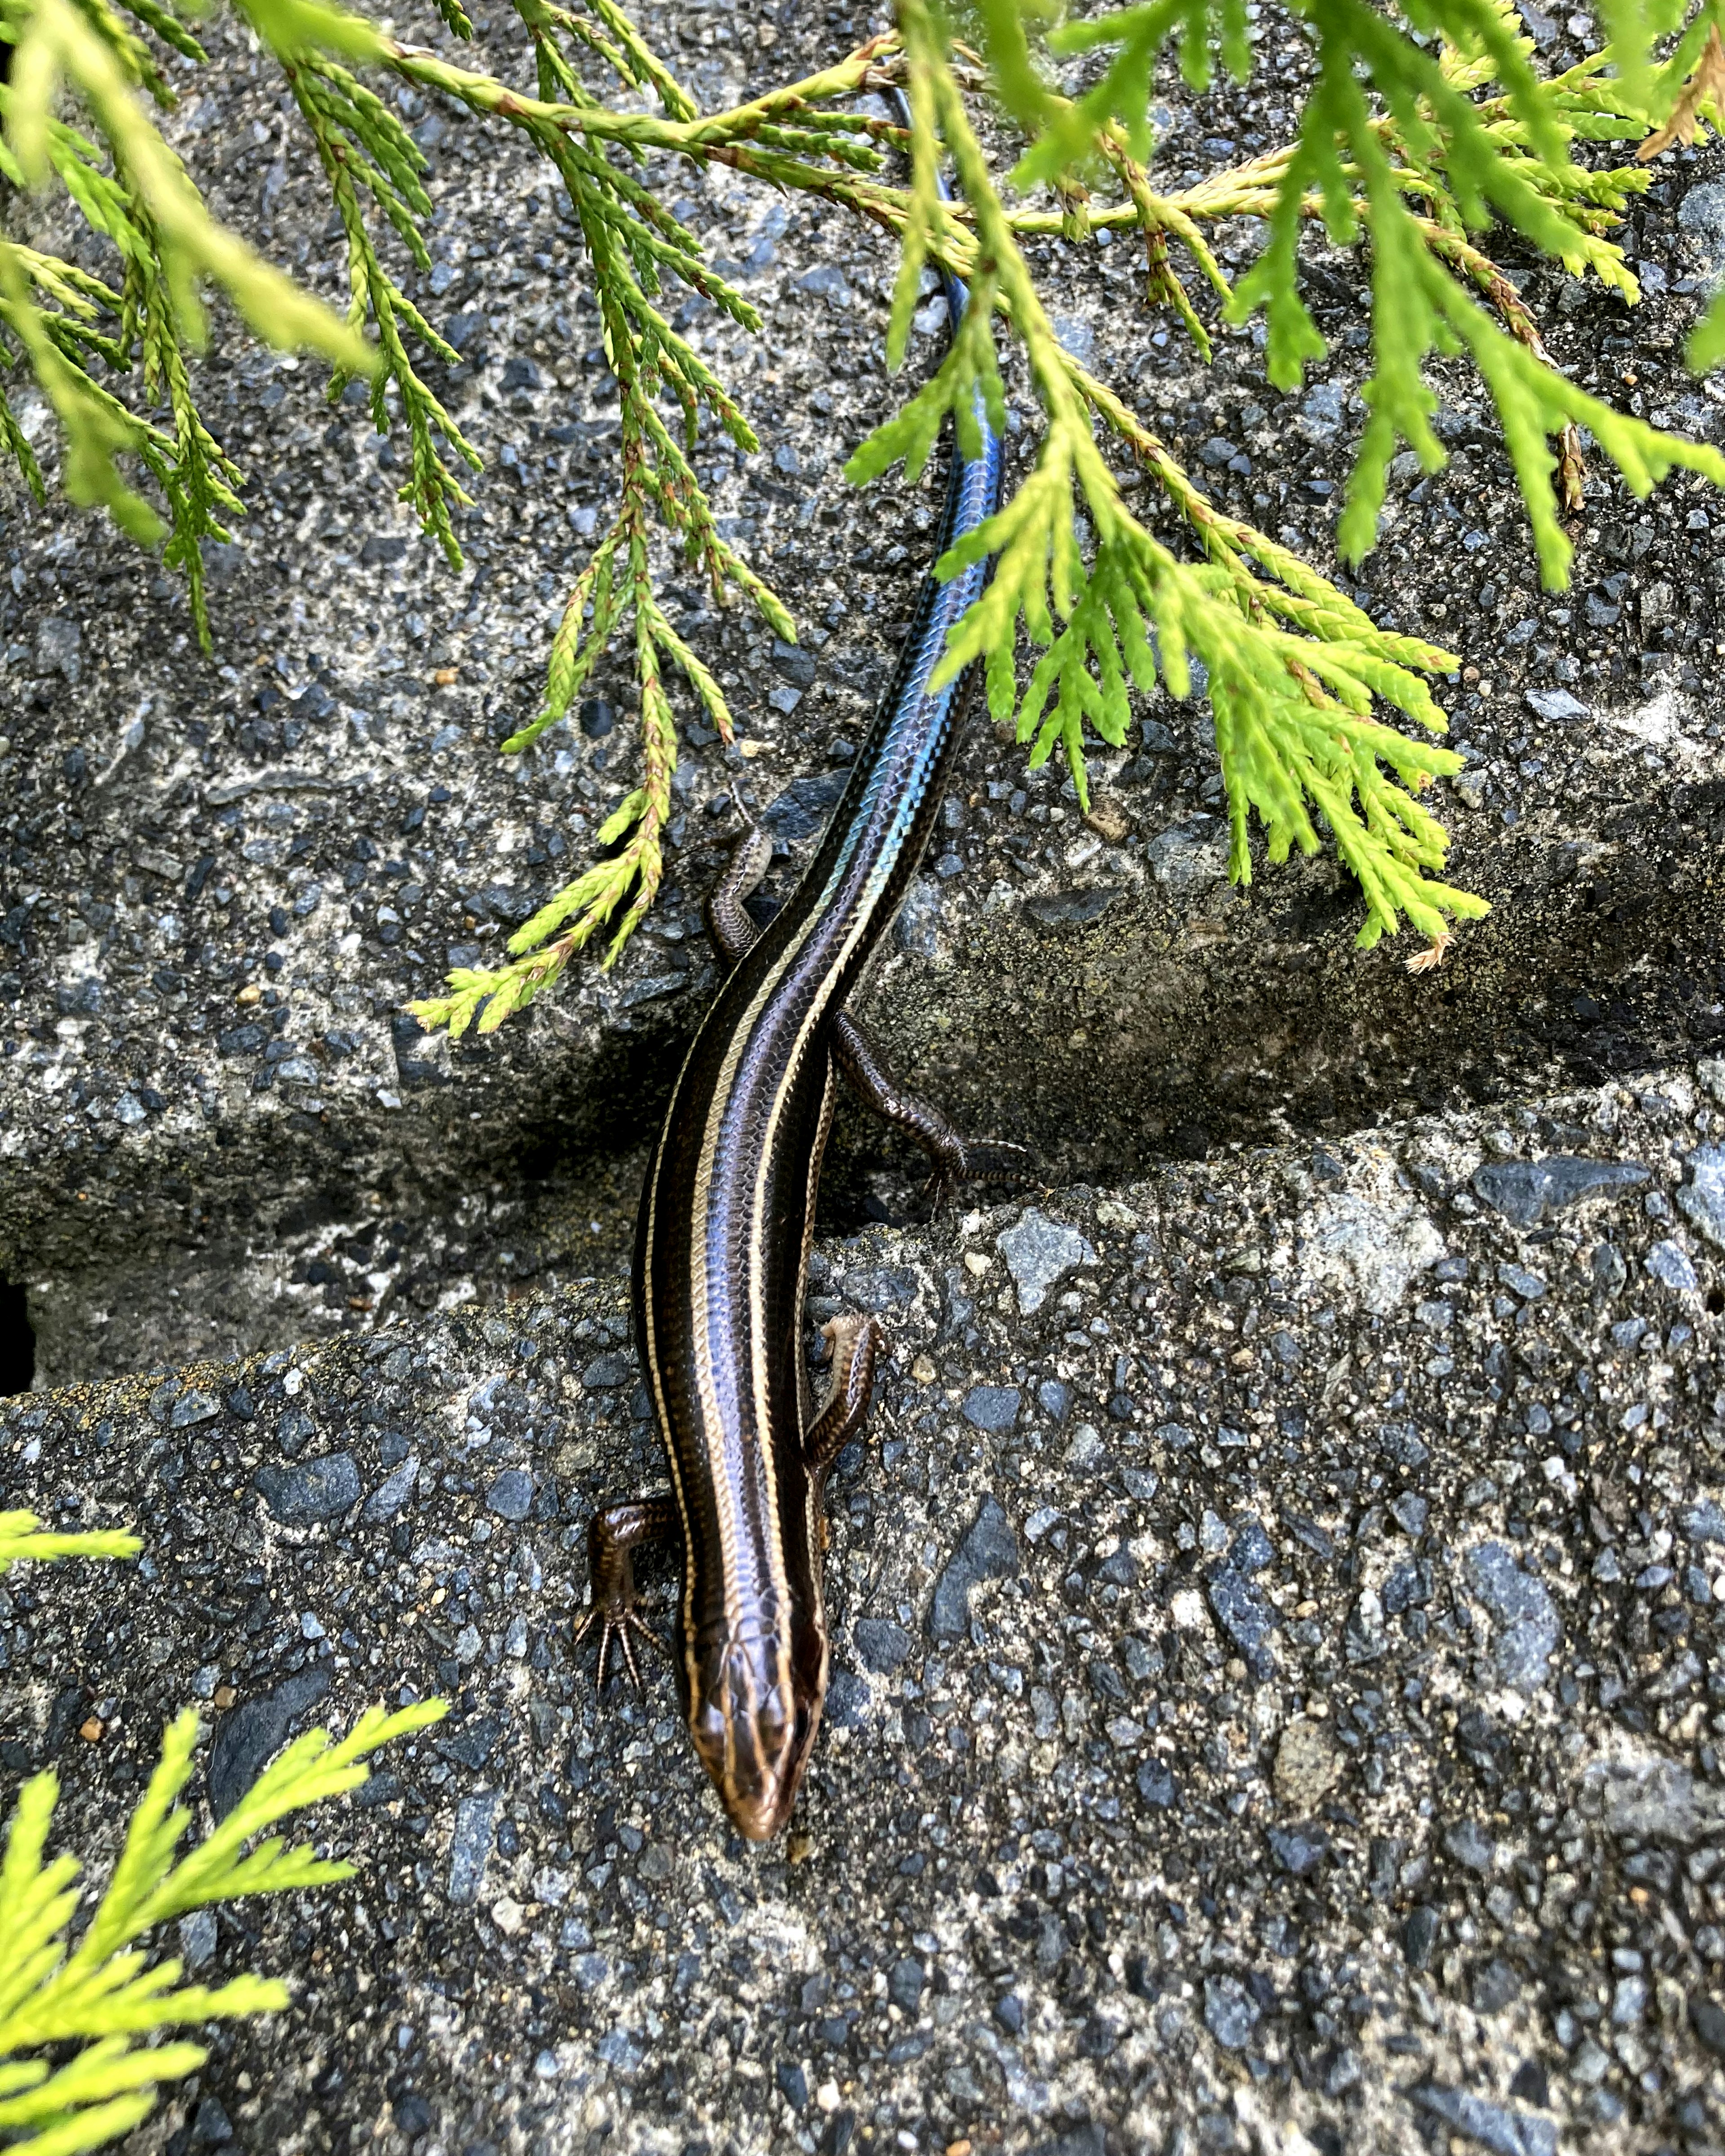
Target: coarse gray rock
1702	1197
1074	1865
1527	1628
1528	1191
1038	1252
1504	2129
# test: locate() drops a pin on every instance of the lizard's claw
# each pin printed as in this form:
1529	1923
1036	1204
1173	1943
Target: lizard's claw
616	1621
996	1160
976	1160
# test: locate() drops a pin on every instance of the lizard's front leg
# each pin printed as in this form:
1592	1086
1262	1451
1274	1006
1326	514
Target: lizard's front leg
856	1343
612	1538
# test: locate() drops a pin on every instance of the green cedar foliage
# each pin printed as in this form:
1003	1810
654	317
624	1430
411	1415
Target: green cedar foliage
78	2068
92	2006
22	1535
1425	130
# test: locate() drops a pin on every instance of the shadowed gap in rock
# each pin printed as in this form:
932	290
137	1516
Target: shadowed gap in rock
17	1340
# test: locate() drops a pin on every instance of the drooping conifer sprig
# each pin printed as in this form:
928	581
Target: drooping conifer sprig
362	147
1293	710
1417	178
1409	143
132	190
77	2066
633	244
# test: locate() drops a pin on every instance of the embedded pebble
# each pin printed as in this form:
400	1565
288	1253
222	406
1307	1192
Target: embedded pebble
1038	1252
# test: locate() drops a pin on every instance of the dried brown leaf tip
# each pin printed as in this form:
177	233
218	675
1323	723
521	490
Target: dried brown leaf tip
1706	86
1432	956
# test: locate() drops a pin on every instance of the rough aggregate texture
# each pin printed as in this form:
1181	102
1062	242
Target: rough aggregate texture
1277	1698
1294	1726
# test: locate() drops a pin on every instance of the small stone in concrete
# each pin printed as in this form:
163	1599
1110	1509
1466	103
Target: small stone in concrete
847	1703
1086	1450
1069	908
1669	1264
193	1408
1528	1626
1409	1511
605	1370
1054	1398
1038	1251
1244	1616
1707	2017
1470	1844
511	1496
1555	705
321	1489
1498	1985
1156	1784
880	1287
1420	1936
1189	856
905	1981
883	1646
59	641
1299	1850
249	1737
197	1938
1307	1766
387	1500
1526	1192
470	1845
1703	1198
992	1407
473	1743
1230	2013
1251	1549
1363	1638
989	1551
211	2126
1494	2126
1702	1523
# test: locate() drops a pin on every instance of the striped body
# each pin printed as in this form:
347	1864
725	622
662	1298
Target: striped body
726	1217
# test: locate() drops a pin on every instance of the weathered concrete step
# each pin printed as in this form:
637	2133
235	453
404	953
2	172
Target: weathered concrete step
192	1154
1253	1577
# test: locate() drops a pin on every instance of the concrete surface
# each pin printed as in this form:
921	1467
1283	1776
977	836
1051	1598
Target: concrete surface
1278	1699
1276	1693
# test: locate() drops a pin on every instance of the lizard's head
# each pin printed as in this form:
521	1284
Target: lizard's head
754	1707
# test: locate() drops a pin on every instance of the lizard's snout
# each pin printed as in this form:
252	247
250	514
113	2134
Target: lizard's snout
755	1744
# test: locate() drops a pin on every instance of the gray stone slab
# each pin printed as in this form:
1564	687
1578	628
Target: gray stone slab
1086	1868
